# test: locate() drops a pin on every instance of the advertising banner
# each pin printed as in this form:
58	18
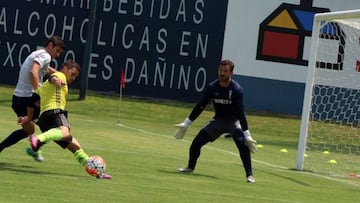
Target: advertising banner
168	49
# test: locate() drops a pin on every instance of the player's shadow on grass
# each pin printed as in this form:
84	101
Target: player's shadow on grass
286	177
186	174
31	170
6	101
17	168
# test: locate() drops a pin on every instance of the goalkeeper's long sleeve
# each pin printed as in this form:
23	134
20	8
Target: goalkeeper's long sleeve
199	107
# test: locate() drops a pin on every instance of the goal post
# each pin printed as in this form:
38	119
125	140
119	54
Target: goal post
330	120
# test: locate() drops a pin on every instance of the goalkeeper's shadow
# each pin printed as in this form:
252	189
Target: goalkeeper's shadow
193	174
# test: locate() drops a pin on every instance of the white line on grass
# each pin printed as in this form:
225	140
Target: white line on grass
210	147
236	154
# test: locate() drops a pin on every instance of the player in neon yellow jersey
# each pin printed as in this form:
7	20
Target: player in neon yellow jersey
53	116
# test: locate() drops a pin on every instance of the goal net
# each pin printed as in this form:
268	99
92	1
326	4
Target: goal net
329	140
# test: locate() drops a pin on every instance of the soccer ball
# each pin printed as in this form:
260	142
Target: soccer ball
95	165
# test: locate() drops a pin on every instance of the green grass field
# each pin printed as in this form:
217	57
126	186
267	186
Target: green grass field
143	156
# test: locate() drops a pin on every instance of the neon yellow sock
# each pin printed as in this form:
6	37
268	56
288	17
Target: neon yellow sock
81	156
52	134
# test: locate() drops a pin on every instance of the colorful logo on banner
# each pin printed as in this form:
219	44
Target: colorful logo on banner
283	33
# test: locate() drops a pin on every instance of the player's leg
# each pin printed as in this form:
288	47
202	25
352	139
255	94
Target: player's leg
207	134
80	155
29	128
195	149
245	156
54	126
17	135
12	139
19	105
57	128
74	146
200	140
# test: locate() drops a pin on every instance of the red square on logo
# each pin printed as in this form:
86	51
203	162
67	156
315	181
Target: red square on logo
282	45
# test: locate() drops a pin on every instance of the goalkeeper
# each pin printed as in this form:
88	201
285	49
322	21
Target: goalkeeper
227	98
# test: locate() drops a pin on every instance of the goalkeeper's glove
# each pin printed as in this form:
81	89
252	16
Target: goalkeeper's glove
250	142
182	128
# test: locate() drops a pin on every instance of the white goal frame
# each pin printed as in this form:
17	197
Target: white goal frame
310	77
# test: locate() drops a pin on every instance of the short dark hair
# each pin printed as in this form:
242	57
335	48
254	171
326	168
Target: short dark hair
56	40
227	62
71	64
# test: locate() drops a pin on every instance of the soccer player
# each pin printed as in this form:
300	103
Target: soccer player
53	117
31	74
227	98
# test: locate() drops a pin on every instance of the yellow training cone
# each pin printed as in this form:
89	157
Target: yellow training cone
332	161
283	150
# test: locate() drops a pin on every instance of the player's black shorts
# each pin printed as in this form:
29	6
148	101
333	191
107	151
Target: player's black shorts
53	119
217	126
20	104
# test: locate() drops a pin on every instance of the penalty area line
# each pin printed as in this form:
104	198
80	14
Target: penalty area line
209	147
236	154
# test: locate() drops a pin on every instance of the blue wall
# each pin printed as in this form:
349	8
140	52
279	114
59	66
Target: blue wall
272	95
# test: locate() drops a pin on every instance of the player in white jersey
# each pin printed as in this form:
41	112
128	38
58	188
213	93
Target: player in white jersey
31	75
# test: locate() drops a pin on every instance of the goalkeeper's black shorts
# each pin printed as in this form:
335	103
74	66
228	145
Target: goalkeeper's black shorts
218	126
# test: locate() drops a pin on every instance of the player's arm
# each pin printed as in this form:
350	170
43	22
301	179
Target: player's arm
51	70
238	100
53	79
182	127
251	143
34	75
201	105
242	116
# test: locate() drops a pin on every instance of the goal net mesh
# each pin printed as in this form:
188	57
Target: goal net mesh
333	134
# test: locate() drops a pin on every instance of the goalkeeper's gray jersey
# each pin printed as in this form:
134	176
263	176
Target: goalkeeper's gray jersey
23	86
